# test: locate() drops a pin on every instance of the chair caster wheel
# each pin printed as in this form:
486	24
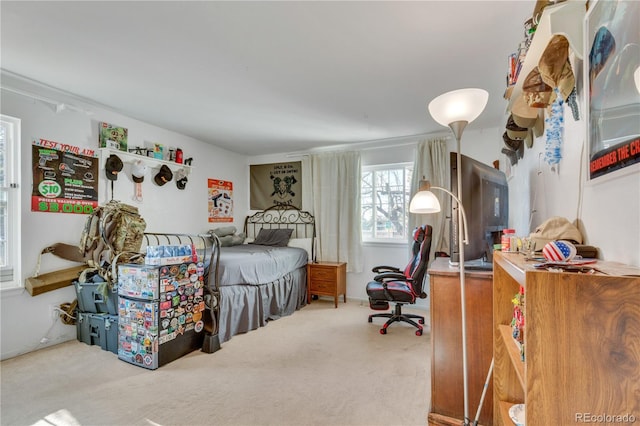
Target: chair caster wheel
383	331
421	321
370	319
418	332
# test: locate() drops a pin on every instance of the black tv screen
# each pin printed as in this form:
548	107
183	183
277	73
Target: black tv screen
485	198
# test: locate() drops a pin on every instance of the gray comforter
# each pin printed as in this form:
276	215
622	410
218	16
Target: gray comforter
255	264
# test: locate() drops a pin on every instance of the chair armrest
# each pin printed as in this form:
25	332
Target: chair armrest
391	276
379	269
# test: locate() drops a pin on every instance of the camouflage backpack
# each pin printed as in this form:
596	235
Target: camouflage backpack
112	234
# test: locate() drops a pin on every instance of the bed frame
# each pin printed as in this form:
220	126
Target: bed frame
283	217
208	249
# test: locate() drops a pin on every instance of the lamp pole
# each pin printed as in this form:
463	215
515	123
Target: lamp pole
455	110
457	127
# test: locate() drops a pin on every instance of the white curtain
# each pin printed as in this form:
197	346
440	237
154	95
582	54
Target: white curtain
336	206
431	164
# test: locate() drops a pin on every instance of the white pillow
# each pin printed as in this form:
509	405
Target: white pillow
303	243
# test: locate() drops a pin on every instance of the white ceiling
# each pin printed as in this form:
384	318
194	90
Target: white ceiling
269	77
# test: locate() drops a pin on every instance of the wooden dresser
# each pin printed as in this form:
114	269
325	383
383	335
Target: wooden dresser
581	344
327	279
447	400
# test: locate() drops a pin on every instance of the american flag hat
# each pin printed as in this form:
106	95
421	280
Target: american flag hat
559	251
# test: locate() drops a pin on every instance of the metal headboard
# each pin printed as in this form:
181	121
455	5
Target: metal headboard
302	222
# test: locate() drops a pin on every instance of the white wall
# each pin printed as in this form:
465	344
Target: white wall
26	319
607	209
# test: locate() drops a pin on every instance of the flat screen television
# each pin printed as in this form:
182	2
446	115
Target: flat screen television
485	198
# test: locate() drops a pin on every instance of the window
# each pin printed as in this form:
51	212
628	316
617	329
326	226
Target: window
9	202
385	194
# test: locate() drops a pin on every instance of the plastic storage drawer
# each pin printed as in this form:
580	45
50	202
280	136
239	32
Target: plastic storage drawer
98	329
90	299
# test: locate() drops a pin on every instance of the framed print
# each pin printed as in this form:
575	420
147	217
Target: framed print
612	83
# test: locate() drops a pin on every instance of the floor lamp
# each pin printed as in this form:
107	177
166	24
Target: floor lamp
455	110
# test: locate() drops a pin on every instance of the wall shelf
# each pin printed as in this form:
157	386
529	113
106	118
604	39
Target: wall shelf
130	157
564	19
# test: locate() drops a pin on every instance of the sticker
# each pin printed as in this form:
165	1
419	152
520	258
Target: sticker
183	270
139	359
148	360
197	316
199	326
192	269
174	270
193	278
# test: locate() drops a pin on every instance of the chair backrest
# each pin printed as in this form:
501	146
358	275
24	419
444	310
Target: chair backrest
417	268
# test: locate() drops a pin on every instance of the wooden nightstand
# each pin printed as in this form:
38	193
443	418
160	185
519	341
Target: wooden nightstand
327	279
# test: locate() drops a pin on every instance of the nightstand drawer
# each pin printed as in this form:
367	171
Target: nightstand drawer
323	274
323	286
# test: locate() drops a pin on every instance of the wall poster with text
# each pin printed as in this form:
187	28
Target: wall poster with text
220	200
65	178
275	184
612	80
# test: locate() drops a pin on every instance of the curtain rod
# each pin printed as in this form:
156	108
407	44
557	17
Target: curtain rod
372	144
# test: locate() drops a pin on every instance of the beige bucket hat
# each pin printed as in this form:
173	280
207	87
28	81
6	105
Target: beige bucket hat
555	228
555	68
536	92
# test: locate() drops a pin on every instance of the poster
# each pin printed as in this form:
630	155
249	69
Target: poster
613	86
112	136
220	200
65	178
275	184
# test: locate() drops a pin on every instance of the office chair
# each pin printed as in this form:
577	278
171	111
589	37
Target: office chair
392	285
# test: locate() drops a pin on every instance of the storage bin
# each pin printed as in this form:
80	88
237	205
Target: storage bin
90	299
98	329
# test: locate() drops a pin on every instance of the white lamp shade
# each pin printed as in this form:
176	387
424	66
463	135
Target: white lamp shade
424	202
458	105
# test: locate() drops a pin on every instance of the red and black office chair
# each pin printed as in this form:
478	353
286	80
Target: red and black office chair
392	285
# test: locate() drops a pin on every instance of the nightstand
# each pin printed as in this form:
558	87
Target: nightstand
327	279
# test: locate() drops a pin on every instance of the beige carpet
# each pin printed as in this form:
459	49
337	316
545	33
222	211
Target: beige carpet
320	366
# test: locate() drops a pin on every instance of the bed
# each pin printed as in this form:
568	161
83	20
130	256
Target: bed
258	283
